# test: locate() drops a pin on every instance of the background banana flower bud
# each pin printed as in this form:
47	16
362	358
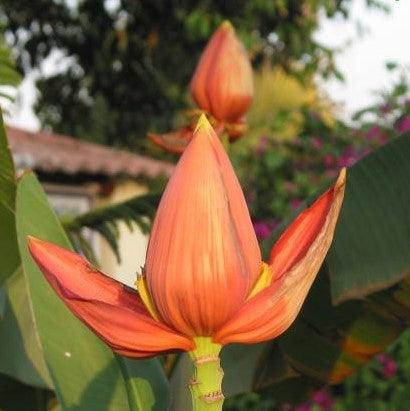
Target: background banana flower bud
222	83
222	86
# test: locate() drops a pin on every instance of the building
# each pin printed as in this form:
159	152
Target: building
78	176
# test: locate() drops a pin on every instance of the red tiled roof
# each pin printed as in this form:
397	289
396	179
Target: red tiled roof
52	153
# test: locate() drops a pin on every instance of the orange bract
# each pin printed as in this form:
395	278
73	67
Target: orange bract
174	141
204	275
112	310
295	260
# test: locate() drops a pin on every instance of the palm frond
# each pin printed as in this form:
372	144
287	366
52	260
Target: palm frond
105	220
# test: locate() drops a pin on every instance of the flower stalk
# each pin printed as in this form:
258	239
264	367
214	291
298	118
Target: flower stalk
206	383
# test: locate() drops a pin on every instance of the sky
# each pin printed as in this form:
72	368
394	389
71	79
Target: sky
384	37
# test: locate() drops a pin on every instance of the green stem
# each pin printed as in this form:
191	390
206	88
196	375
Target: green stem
206	383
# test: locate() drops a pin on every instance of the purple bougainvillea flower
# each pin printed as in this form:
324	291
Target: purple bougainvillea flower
316	142
262	229
389	369
323	399
328	160
404	124
295	202
373	132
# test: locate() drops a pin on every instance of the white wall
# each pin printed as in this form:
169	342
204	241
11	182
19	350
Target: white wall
132	245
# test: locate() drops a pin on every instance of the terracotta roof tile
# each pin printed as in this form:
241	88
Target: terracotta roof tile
56	153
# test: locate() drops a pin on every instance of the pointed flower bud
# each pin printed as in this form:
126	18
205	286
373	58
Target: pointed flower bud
203	257
222	83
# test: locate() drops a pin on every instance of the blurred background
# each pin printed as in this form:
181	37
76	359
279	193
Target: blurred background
83	81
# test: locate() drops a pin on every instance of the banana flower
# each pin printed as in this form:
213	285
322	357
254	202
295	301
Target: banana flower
204	284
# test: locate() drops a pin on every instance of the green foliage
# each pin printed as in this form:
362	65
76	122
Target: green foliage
43	345
377	197
129	64
21	355
105	380
384	384
8	252
352	332
8	74
15	396
104	220
280	105
9	77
